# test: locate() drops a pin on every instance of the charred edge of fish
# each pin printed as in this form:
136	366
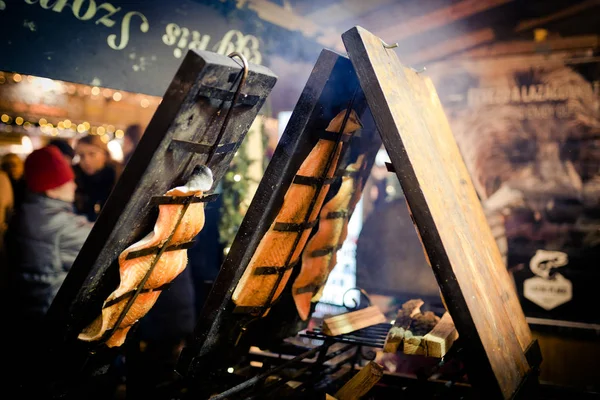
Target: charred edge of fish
337	214
294	227
130	293
272	270
200	148
325	251
160	200
155	249
316	181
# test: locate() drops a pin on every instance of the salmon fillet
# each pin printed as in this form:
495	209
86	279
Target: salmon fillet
280	250
168	267
319	257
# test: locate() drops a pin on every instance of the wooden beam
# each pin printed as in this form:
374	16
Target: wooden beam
288	19
526	46
436	19
452	46
564	13
352	321
345	10
361	383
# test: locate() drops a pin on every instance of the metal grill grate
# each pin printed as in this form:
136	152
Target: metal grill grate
372	336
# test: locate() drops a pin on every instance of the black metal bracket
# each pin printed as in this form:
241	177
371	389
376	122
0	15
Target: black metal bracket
200	148
225	95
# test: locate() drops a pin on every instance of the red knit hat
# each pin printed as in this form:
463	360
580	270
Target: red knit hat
46	169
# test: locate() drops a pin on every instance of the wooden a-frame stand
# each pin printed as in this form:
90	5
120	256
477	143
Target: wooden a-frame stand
502	358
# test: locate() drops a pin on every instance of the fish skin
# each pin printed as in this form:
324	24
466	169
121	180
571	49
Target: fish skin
168	267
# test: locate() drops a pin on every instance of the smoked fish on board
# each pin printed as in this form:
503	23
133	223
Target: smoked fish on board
168	267
320	255
260	284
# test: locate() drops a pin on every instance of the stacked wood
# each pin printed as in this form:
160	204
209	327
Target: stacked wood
353	321
361	383
441	338
418	333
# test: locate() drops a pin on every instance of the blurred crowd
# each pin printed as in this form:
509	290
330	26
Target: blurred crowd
49	202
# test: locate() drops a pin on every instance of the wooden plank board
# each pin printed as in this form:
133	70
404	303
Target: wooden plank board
353	321
360	384
449	218
193	109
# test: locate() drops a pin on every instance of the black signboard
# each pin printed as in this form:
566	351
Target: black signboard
134	45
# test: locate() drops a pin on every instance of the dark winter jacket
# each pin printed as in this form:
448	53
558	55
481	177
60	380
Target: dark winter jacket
44	238
93	190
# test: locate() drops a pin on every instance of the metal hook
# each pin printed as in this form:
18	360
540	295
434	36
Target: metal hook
244	63
362	291
233	101
389	46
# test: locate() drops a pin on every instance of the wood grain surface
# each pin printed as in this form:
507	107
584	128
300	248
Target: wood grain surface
361	383
441	338
353	321
449	218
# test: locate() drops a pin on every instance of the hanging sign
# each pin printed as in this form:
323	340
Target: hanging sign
131	46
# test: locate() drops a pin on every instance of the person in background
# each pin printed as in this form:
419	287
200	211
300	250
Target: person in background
65	148
44	238
132	137
95	175
12	164
45	235
6	208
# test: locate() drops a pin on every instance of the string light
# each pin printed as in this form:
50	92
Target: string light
101	130
117	96
144	103
81	128
17	78
104	138
5	118
43	121
67	123
19	120
95	91
119	133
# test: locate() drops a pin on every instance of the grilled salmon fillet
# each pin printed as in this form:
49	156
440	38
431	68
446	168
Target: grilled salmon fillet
319	257
169	265
280	249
